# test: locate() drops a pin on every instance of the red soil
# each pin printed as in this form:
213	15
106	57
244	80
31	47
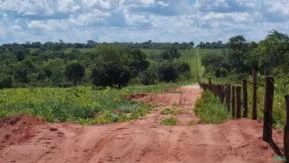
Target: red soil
25	139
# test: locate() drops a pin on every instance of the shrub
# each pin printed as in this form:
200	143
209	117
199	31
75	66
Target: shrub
6	82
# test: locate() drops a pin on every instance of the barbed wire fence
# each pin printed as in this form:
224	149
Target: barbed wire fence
235	97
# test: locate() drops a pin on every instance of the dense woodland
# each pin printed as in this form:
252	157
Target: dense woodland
115	64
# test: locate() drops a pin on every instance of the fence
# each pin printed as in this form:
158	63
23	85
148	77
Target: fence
235	98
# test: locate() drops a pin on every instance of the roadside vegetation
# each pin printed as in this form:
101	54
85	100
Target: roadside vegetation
171	111
77	104
210	109
235	61
171	121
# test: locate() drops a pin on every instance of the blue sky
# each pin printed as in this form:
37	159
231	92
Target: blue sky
140	20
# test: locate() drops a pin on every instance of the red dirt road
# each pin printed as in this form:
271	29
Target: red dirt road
27	140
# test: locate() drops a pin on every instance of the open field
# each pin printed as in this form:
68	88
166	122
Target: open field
79	104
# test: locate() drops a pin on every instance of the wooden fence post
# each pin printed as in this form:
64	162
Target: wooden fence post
268	105
286	131
228	97
222	93
238	102
254	109
245	99
233	101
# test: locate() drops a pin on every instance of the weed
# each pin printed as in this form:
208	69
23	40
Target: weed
171	121
171	111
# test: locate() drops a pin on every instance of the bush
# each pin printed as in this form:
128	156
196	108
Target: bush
6	82
110	74
167	72
148	78
184	70
74	72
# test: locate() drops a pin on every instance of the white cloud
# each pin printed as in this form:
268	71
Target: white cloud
278	7
140	20
48	25
163	4
67	6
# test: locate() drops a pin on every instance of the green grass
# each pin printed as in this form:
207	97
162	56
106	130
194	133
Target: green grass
81	104
192	57
279	111
210	109
171	111
281	89
171	121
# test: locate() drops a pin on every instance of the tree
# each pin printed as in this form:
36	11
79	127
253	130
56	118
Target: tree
19	56
21	75
170	54
184	69
6	82
272	52
167	72
74	72
110	74
238	55
138	62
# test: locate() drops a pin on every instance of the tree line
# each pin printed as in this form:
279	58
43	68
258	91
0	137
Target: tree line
113	65
268	57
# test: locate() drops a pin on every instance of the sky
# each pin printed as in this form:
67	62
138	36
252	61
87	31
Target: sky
140	20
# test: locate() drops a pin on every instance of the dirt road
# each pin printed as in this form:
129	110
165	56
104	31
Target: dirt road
25	139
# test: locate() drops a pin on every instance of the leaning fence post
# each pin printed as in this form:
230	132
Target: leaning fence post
233	101
254	109
238	102
245	99
228	97
268	105
286	131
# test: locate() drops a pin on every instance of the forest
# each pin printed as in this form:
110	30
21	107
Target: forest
102	64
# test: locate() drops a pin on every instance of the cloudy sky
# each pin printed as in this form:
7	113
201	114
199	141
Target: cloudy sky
140	20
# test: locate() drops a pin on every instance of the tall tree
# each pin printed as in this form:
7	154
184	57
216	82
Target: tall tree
74	72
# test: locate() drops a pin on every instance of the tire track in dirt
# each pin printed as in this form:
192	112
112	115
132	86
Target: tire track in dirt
144	140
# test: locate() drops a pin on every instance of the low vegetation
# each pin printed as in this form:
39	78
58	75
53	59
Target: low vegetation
171	111
210	109
171	121
78	104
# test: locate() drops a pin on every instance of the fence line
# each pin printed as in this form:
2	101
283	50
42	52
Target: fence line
236	100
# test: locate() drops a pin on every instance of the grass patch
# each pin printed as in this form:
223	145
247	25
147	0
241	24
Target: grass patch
171	111
210	109
171	121
79	104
